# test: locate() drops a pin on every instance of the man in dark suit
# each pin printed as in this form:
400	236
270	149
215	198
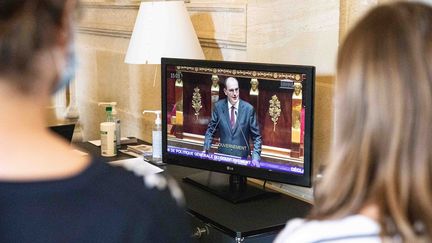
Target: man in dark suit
236	121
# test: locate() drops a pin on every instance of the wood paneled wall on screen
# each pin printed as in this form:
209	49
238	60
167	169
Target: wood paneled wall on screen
278	140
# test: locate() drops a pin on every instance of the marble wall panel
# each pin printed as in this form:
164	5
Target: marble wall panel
351	11
289	31
220	24
103	76
272	31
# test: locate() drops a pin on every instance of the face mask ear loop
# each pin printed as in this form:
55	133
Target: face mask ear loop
58	72
67	74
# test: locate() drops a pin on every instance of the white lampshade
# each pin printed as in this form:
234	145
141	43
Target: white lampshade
162	29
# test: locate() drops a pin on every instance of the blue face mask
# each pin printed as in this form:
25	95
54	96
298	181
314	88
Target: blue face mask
68	73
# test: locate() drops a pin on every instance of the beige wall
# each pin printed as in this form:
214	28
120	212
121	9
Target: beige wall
272	31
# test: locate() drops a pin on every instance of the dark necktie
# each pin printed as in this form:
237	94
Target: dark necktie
232	118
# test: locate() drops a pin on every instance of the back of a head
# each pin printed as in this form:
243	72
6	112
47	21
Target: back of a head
27	27
382	152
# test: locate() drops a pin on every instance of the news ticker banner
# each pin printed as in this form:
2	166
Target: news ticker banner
232	160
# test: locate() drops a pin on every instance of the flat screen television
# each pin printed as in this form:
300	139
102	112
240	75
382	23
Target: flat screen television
236	120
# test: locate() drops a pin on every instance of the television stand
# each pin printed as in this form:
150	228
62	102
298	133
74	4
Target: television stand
233	188
217	220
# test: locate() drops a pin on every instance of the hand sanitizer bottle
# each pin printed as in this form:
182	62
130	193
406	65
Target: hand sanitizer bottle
156	137
107	133
114	118
117	122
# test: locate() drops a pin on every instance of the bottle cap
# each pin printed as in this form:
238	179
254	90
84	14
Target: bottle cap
158	121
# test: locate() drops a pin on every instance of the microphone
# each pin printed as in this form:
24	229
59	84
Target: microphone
215	127
244	137
247	144
211	133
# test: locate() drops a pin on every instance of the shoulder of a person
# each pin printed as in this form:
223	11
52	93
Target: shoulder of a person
246	105
151	198
133	181
352	227
220	106
221	103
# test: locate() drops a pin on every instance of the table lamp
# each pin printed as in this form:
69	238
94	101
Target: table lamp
162	29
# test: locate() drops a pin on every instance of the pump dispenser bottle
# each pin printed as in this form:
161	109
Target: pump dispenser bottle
156	137
117	122
107	133
114	118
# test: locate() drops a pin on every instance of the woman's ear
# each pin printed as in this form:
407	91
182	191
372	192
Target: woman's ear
65	28
62	36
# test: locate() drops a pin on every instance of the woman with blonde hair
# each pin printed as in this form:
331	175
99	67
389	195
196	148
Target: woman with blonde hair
377	185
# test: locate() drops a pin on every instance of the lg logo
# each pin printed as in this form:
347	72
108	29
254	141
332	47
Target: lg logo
229	168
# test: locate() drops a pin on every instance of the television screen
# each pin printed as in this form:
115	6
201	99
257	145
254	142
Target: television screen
248	119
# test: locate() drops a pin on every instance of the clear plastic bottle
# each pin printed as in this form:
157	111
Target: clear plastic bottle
156	137
108	112
117	122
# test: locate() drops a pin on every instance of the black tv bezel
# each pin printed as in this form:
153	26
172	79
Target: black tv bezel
304	180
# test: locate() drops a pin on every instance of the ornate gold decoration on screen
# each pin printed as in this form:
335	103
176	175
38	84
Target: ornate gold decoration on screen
254	87
296	113
179	81
196	101
274	110
294	77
